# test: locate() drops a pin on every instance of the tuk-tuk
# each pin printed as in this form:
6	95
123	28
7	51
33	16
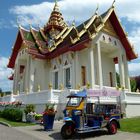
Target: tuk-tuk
81	116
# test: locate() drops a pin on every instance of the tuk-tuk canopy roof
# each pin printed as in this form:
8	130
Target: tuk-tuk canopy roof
78	94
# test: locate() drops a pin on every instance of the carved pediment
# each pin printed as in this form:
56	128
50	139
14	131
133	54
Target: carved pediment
108	28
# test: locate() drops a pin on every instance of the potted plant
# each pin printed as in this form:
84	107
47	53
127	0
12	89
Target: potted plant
48	116
30	113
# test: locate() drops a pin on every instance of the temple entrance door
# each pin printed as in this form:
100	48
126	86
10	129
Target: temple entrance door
83	75
111	79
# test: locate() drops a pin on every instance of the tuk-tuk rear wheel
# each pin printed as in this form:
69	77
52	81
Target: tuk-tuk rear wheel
112	128
67	131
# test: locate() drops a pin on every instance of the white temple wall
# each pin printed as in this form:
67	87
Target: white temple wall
83	61
130	101
40	73
108	69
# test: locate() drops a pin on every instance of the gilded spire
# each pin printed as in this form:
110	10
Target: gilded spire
56	7
56	20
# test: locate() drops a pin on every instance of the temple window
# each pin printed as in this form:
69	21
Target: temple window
56	80
115	43
55	77
67	77
67	74
103	38
110	39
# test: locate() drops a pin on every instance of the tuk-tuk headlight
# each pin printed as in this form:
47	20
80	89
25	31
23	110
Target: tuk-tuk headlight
68	113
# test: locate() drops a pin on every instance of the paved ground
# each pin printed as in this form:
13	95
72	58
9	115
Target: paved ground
36	133
9	133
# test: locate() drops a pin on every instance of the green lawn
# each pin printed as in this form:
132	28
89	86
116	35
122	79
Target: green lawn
15	124
130	125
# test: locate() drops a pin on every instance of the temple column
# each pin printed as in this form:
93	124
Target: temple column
91	72
27	76
121	70
127	79
61	76
76	69
100	74
73	75
31	75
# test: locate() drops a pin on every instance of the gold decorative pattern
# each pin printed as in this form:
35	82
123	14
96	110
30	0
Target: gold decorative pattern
61	33
23	46
108	28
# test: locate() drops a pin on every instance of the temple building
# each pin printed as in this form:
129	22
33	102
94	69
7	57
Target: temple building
59	56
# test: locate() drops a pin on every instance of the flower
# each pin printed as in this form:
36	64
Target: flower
50	110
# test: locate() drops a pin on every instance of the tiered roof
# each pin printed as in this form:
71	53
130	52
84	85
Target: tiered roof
42	44
56	20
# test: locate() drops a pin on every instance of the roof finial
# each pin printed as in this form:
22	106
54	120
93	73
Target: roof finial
73	22
55	2
113	4
17	22
30	24
97	8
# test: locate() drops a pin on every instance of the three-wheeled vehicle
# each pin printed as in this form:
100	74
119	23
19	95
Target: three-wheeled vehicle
82	116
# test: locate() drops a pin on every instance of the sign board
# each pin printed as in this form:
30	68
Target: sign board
103	92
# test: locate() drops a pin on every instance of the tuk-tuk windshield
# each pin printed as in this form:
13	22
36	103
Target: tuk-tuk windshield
74	101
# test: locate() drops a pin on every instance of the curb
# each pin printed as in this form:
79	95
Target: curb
5	124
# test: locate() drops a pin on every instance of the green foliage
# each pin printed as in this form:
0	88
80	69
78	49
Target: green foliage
38	116
15	124
118	80
0	90
0	113
133	85
49	107
13	114
29	108
130	125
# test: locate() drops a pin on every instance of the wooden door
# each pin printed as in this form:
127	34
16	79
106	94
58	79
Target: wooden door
83	75
111	79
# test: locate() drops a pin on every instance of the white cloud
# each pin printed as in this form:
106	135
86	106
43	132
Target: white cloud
135	39
75	10
5	84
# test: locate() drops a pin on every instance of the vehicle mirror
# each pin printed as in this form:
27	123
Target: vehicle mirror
78	112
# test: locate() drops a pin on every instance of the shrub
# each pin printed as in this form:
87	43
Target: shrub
0	113
12	114
38	116
29	108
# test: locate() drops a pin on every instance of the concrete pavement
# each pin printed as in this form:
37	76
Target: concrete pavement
9	133
37	132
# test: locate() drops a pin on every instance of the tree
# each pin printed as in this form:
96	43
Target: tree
0	92
118	80
133	84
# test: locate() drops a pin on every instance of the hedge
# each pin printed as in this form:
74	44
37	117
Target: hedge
12	114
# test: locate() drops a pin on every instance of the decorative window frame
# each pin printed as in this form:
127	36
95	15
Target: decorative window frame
66	66
54	70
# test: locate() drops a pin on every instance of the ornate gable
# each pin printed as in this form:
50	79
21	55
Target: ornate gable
108	28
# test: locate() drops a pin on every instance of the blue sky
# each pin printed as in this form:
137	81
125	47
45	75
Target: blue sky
38	11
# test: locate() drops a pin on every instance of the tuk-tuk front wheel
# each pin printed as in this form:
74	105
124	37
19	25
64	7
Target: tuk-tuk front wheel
67	131
112	128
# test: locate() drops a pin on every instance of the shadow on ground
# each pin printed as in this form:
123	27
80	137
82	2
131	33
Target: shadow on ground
57	135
